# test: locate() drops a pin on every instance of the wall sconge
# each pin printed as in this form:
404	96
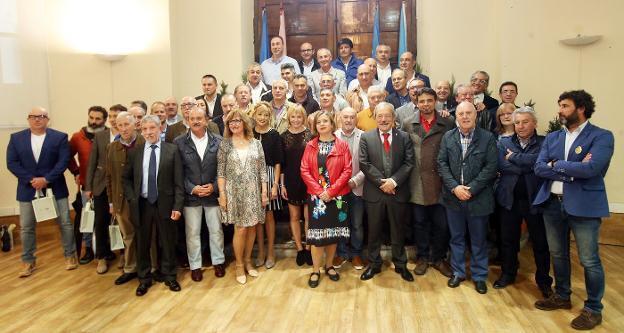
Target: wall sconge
111	57
580	40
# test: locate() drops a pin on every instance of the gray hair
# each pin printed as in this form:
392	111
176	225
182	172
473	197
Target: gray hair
459	86
384	105
137	107
487	76
279	81
524	110
375	89
398	70
129	116
287	66
151	119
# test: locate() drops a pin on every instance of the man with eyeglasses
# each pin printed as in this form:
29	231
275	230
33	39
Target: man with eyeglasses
308	63
182	127
479	82
38	169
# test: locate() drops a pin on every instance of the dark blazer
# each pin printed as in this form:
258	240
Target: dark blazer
371	164
96	169
584	192
310	105
52	163
218	111
198	171
420	76
170	181
520	163
314	67
479	166
425	182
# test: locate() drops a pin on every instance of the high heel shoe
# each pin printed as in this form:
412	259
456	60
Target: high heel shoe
251	270
240	274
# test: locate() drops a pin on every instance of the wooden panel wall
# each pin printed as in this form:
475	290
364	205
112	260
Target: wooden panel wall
324	22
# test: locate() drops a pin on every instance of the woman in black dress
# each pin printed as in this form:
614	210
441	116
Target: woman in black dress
294	140
262	115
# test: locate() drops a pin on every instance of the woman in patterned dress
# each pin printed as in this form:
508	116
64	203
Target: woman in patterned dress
262	115
326	170
294	141
242	184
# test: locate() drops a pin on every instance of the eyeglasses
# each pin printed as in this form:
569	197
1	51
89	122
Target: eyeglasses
479	81
187	105
307	50
37	117
235	121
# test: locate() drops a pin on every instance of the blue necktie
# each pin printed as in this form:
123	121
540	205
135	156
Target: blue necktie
152	188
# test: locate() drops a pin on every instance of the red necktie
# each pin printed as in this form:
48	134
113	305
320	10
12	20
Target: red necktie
386	142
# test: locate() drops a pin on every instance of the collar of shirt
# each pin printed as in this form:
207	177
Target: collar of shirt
576	131
479	98
148	146
427	124
196	138
278	59
466	136
127	144
381	135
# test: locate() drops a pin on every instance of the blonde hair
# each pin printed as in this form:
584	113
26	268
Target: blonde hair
296	109
499	111
247	129
260	107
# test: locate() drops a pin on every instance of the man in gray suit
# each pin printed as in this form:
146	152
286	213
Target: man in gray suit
386	159
198	149
154	187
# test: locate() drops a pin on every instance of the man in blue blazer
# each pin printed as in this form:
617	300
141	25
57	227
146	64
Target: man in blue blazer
38	157
573	162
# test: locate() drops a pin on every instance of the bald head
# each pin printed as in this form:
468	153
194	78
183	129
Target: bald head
466	116
364	76
372	64
171	107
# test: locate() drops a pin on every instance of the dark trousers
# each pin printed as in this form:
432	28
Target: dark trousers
511	221
100	225
386	209
461	222
167	234
431	233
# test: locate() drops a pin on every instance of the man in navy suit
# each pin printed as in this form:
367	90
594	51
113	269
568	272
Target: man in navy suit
573	162
38	157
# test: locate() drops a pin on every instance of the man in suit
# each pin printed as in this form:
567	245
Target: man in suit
38	156
177	129
153	183
573	162
211	97
384	68
431	235
467	165
407	62
479	82
198	149
308	63
255	83
386	159
353	248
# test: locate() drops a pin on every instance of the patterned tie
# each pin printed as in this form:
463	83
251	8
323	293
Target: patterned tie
386	142
152	188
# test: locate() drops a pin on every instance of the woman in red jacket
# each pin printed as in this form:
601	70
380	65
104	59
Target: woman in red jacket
326	170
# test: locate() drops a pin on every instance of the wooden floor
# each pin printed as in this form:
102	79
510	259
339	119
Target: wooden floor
279	300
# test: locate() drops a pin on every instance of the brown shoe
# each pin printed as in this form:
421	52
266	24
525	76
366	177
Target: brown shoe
27	270
443	267
421	266
338	261
586	320
102	266
197	275
219	270
553	302
357	263
71	263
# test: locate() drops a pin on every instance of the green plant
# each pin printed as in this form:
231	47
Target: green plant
224	87
553	125
244	77
418	68
452	87
530	103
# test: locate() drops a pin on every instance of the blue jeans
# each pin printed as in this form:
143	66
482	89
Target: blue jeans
27	230
458	220
558	224
87	237
356	228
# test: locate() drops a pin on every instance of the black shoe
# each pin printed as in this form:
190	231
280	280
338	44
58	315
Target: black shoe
6	239
125	277
143	288
334	276
173	285
110	257
454	281
300	258
158	277
369	273
546	290
503	282
88	256
314	283
405	274
480	287
308	257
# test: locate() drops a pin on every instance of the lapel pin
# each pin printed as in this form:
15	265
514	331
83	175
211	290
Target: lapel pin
578	150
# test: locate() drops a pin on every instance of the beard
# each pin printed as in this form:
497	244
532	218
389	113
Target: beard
92	128
570	120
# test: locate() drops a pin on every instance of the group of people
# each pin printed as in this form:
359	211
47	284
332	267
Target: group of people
332	140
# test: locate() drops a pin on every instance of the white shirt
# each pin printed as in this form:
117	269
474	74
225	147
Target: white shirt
383	74
36	142
200	144
210	105
557	186
147	152
256	92
355	83
478	98
307	69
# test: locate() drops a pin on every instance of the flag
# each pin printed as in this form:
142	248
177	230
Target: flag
402	32
264	38
375	31
282	29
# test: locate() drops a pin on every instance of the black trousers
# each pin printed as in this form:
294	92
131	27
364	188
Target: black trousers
431	233
387	209
167	234
100	225
511	221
